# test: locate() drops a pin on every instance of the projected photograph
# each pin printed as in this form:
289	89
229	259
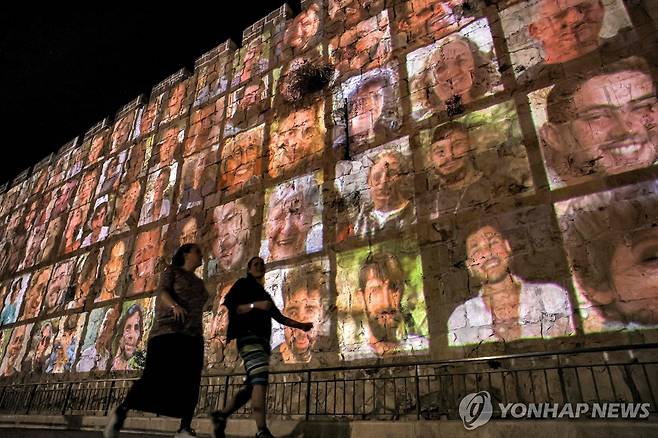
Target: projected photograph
295	138
145	264
472	161
366	109
96	148
38	354
547	37
132	332
233	235
364	46
39	177
66	343
139	157
292	220
377	191
50	242
58	171
205	127
294	81
85	278
176	103
611	241
602	123
63	197
166	146
111	175
159	195
212	79
347	13
420	22
147	116
36	290
87	187
241	160
380	305
96	349
252	59
126	210
72	238
122	132
301	293
198	178
97	226
455	70
33	246
304	31
15	350
111	285
219	354
76	162
13	298
247	106
505	279
59	286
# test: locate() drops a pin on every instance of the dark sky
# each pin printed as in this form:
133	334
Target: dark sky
61	71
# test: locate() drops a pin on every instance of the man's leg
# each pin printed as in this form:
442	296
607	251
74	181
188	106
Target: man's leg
240	399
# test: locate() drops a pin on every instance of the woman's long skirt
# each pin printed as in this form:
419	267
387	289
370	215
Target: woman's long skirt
170	383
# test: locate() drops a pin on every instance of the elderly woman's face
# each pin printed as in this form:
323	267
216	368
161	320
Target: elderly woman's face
453	71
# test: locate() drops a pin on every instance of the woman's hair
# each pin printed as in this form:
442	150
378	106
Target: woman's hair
251	260
179	257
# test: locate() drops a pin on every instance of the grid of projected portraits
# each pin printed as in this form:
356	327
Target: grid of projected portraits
421	177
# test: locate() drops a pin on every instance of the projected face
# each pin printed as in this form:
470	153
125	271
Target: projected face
382	293
97	229
610	128
205	126
167	146
232	223
130	332
161	183
567	29
51	238
57	287
240	158
112	271
488	254
297	136
429	18
121	133
454	70
87	187
303	29
41	346
86	270
35	293
289	220
365	46
384	181
148	117
187	230
350	12
144	261
450	156
106	329
176	101
302	304
126	204
33	245
96	149
366	108
73	232
11	362
64	196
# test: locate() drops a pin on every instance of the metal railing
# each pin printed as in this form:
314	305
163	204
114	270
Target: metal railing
421	390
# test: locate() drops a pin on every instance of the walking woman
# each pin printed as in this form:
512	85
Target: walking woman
174	359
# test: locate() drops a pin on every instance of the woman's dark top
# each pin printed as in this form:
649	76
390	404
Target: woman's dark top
255	322
190	293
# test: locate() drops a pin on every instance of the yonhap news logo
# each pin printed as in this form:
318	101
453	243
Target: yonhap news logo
476	410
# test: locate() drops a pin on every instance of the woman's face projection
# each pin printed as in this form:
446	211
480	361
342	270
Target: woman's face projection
232	224
241	159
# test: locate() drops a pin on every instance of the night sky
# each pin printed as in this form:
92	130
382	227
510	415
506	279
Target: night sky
64	70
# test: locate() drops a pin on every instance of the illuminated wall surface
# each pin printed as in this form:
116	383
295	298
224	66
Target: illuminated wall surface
423	178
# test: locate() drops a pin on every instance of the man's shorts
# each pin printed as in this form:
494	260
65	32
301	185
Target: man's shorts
255	353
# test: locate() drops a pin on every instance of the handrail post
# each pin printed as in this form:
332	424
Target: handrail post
308	395
226	383
418	410
30	398
66	397
108	400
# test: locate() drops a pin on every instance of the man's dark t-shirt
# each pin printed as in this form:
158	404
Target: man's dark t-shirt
255	322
